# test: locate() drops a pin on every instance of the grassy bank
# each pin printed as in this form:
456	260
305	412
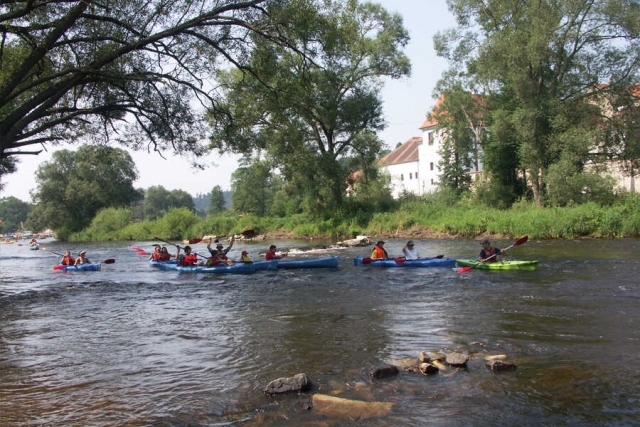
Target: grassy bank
430	216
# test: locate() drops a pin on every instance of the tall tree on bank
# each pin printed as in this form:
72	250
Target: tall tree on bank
216	203
546	61
13	212
124	71
307	112
158	201
74	186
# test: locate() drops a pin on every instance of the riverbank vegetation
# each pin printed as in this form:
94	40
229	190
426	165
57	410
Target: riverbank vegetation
437	215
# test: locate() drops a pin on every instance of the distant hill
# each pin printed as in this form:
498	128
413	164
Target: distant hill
202	201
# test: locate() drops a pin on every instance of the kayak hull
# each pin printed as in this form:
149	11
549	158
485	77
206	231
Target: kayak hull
81	267
34	248
326	262
238	268
498	266
266	265
420	263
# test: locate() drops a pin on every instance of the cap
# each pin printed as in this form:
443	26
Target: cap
82	252
410	243
245	253
485	241
380	242
187	248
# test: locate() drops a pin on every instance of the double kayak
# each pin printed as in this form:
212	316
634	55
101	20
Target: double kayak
500	265
237	268
326	262
401	262
79	267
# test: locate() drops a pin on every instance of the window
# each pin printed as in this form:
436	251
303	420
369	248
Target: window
431	165
430	138
416	175
410	175
432	181
401	177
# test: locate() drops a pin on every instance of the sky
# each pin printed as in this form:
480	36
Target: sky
406	104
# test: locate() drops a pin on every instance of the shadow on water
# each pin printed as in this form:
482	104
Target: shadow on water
134	346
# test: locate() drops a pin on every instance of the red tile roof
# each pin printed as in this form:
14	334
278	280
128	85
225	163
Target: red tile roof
431	121
407	152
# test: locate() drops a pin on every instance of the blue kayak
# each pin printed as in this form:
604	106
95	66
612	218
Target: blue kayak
80	267
266	265
238	268
153	263
401	262
34	248
326	262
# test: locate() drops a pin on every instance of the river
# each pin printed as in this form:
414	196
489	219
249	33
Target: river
135	346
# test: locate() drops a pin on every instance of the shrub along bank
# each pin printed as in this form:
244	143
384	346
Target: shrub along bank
424	217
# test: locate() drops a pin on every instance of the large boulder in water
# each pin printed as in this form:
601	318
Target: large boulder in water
350	409
299	382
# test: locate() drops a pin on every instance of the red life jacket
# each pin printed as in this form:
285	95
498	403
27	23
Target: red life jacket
68	260
489	253
378	253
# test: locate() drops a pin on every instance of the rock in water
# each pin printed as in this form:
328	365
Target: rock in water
299	382
351	409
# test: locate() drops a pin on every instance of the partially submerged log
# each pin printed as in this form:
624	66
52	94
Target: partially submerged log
351	409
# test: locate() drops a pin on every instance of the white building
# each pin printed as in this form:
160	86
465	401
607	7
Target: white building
413	166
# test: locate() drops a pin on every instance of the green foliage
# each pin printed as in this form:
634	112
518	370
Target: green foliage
253	186
158	201
217	202
74	186
13	211
108	224
308	113
177	224
568	186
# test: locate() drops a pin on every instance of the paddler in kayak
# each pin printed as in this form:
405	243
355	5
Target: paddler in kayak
379	252
67	259
187	259
156	253
271	254
489	253
82	259
221	251
409	251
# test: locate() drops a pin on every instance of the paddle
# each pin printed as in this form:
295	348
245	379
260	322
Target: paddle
471	267
106	261
53	252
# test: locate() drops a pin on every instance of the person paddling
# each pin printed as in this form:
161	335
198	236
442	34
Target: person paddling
410	252
271	254
489	253
82	259
156	253
379	251
245	257
187	259
67	259
221	251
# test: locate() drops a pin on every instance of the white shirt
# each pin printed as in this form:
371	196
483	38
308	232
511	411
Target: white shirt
411	253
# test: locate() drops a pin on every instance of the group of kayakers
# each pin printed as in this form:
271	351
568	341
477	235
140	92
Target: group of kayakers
487	254
217	256
68	259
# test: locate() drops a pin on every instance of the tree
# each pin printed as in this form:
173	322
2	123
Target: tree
217	203
546	62
252	187
158	201
123	70
307	112
74	186
13	211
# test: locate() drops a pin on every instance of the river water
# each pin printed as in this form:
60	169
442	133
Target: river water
135	346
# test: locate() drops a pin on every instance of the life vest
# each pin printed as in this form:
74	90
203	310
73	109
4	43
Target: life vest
164	257
378	253
489	253
68	260
245	258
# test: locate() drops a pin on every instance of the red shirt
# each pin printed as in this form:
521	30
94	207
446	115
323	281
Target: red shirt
270	255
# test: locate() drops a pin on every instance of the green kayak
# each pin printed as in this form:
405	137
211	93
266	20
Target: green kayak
501	265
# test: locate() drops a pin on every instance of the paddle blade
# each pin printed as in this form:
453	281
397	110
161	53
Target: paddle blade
248	232
109	261
142	253
438	257
465	269
59	267
137	248
521	241
194	241
366	260
399	260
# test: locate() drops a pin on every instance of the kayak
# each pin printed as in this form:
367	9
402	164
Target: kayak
238	268
154	263
34	248
401	262
79	267
501	265
326	262
266	265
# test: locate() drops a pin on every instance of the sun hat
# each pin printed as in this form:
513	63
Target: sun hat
380	242
82	252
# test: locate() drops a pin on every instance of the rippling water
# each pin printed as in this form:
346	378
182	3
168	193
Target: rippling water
134	346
